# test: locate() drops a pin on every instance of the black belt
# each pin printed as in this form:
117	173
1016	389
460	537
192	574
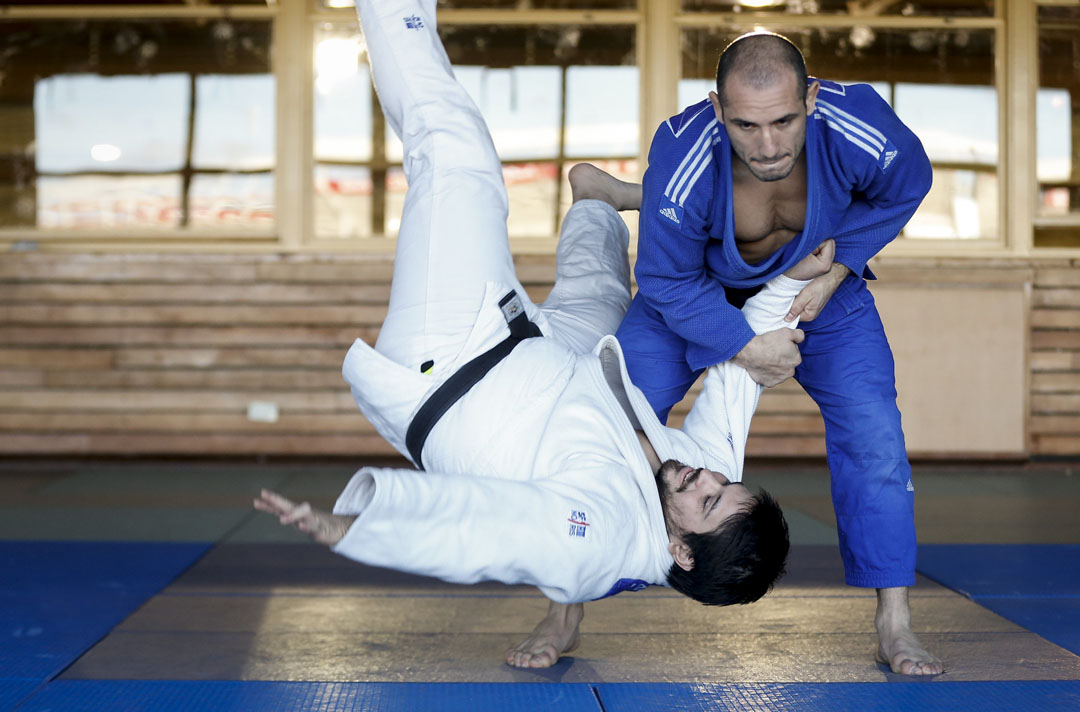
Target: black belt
469	375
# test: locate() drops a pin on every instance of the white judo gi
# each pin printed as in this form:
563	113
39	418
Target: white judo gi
536	475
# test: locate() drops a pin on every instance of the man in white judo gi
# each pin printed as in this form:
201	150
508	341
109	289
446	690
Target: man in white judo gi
544	464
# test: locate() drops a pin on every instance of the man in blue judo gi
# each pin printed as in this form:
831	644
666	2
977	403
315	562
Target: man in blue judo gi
739	188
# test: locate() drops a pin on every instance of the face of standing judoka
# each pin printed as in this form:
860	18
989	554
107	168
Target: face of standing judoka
766	125
696	501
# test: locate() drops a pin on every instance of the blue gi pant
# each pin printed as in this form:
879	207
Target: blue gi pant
847	368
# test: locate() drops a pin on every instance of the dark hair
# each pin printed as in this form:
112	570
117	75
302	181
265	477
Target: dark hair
740	561
759	57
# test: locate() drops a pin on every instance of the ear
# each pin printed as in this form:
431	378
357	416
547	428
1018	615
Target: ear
811	96
681	552
715	99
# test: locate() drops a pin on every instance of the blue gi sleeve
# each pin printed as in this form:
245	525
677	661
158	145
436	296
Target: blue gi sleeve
671	268
888	170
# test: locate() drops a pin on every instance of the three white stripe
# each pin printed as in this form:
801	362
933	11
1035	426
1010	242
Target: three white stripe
699	156
853	128
692	166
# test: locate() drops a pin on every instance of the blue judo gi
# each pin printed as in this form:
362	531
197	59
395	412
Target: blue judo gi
867	174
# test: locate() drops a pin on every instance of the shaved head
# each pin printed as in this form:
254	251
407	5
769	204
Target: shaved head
761	59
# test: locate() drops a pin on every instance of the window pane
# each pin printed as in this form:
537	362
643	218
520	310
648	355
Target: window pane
1058	111
343	136
941	84
119	124
602	112
96	202
551	96
512	5
933	8
45	3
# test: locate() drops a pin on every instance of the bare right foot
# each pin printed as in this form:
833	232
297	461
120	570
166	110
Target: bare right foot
897	645
552	637
589	182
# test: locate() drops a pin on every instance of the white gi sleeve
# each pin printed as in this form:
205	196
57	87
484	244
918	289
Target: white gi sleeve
464	529
719	420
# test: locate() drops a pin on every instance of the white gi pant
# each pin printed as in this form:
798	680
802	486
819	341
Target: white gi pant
453	235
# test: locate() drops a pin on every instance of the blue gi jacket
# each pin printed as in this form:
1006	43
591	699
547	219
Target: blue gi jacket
867	173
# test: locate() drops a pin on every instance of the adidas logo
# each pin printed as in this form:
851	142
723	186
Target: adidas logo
670	214
910	487
889	156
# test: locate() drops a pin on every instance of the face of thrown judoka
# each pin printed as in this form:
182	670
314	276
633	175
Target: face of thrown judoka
697	500
766	125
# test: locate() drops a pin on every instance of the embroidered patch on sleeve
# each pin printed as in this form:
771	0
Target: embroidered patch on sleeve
579	523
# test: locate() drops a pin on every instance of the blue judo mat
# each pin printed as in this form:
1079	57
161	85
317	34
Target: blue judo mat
1034	586
57	599
843	697
222	696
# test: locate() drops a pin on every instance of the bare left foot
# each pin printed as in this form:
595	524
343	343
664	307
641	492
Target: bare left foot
897	645
589	182
552	637
323	527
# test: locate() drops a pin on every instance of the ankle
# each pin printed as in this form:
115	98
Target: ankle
893	612
566	614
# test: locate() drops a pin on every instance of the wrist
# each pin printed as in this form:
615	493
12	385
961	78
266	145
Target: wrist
745	354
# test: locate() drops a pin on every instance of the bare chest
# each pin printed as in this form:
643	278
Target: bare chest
767	216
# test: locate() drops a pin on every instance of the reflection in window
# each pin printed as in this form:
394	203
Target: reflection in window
515	4
137	125
551	96
343	136
958	128
865	8
1058	115
940	83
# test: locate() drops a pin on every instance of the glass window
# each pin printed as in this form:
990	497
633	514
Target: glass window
512	5
939	82
1058	113
137	125
866	8
344	107
551	96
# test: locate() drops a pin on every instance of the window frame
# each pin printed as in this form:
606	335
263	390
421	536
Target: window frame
658	25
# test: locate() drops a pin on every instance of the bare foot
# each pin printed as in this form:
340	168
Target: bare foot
897	645
323	527
589	182
552	637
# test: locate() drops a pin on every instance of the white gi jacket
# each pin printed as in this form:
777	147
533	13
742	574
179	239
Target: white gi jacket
536	475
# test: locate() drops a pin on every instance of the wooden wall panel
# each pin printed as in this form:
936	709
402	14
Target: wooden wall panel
1055	360
161	354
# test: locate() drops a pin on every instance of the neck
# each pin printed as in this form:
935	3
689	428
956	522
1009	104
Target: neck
650	453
